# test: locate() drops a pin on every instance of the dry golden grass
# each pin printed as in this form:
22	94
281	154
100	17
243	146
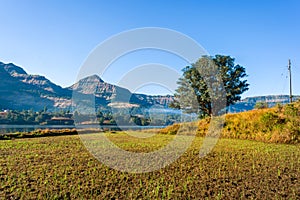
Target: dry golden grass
280	124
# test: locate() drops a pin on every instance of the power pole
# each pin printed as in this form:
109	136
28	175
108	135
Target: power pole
290	73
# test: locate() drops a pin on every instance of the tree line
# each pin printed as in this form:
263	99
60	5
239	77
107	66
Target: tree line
120	117
31	117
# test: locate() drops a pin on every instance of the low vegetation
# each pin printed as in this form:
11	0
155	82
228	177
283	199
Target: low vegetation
38	133
280	124
62	168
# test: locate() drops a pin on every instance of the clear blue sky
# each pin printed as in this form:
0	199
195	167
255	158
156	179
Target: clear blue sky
53	37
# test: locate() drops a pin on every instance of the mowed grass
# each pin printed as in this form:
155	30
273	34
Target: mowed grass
62	168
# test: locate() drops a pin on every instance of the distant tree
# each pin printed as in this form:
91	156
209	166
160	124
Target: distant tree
76	114
198	75
39	118
45	109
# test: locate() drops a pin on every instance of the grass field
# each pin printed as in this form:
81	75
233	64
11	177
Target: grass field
61	168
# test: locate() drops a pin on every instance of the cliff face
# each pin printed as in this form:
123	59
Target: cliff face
115	95
19	90
96	86
159	100
22	91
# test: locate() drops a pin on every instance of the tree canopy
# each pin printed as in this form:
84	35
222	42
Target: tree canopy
210	81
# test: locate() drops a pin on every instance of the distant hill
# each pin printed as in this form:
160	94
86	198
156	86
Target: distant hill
249	102
19	90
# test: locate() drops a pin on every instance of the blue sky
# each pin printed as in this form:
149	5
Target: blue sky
53	38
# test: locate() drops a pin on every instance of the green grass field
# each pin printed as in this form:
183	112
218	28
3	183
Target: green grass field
62	168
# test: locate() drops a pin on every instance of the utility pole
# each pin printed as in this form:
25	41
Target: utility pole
290	73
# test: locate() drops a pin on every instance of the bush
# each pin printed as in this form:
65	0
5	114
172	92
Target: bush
291	111
261	105
269	121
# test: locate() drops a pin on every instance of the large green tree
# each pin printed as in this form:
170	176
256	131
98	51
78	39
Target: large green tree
208	83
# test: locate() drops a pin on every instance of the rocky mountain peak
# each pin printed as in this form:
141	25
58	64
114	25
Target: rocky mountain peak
89	85
13	69
92	79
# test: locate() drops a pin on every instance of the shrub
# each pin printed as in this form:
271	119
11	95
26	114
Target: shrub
269	121
172	130
291	111
261	105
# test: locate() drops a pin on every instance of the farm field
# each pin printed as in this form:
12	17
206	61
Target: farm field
62	168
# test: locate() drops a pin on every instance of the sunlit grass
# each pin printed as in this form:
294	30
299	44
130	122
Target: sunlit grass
280	124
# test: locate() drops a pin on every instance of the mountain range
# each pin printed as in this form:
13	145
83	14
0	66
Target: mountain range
19	90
